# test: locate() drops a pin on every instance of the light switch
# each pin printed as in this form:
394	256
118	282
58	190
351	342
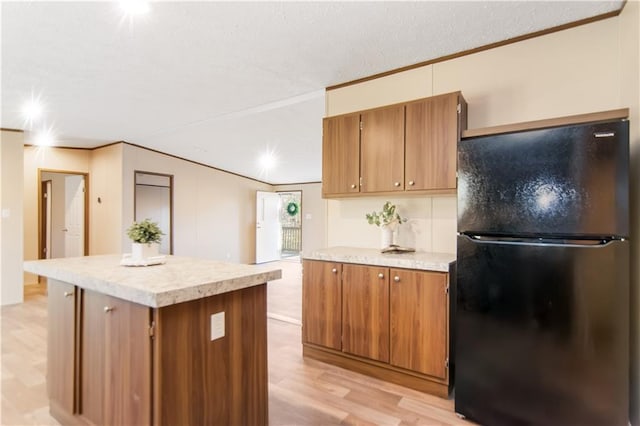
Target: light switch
217	326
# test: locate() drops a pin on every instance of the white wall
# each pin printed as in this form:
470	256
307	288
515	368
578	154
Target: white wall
314	215
214	212
11	222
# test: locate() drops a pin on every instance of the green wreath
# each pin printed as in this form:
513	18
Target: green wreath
292	209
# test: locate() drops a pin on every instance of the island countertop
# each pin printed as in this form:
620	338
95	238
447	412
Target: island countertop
426	261
180	279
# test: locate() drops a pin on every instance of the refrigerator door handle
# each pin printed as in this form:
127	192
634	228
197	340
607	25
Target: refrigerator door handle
565	242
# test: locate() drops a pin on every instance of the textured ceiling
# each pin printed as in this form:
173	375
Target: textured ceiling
221	82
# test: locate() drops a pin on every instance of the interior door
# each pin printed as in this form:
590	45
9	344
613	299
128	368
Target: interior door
268	227
74	216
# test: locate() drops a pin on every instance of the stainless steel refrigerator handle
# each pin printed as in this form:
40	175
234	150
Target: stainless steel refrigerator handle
536	241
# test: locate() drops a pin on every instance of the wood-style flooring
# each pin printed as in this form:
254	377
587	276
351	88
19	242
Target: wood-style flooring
301	392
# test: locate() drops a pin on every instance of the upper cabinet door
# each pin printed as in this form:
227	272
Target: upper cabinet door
382	150
341	155
431	143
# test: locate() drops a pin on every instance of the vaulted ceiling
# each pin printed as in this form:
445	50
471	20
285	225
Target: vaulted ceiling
221	83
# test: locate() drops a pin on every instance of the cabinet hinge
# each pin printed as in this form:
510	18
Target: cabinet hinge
152	329
446	290
361	125
446	363
459	108
360	180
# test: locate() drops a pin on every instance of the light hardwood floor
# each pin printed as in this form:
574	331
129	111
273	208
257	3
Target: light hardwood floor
301	392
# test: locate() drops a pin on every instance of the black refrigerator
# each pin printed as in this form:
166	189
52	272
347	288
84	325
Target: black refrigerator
542	304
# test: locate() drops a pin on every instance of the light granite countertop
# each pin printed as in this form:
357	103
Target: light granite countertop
180	279
424	261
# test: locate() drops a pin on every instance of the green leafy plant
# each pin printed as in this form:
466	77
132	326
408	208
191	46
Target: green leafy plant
388	216
145	232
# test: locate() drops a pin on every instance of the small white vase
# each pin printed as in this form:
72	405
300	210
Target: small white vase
386	233
142	251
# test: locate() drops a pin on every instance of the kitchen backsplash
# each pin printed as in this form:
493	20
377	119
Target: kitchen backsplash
431	224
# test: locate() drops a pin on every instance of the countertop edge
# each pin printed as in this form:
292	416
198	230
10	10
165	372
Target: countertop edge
147	298
416	260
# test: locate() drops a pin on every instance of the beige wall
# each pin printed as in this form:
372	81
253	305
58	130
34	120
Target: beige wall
545	77
35	158
11	220
314	214
105	216
629	92
431	224
214	212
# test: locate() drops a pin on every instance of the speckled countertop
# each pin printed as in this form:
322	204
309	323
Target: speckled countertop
180	279
425	261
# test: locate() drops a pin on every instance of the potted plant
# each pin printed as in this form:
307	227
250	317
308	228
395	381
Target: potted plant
388	220
145	236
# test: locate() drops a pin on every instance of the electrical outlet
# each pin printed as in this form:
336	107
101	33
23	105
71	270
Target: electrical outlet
217	326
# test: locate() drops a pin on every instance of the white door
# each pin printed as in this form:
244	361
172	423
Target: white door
268	228
73	216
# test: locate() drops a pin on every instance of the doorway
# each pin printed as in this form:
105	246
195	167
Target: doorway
62	214
153	199
291	223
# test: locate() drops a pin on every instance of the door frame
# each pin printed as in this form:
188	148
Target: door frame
42	218
45	211
301	217
135	185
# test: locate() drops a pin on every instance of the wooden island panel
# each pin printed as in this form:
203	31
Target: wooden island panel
199	381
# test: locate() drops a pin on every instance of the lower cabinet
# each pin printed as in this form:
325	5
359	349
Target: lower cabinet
115	384
365	311
114	362
394	322
61	349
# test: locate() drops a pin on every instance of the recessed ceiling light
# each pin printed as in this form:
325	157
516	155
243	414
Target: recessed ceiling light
32	111
135	7
268	160
44	137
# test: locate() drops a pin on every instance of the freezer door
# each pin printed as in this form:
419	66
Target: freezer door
570	180
542	333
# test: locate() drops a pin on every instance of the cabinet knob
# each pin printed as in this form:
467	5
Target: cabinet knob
108	309
334	270
396	279
380	275
68	293
353	186
411	183
396	184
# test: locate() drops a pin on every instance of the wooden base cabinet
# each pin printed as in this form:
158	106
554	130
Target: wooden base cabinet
395	323
61	346
114	362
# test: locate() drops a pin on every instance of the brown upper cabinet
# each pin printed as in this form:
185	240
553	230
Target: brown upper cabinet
403	147
340	154
382	149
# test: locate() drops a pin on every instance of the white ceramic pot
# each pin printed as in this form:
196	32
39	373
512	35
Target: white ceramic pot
386	234
140	251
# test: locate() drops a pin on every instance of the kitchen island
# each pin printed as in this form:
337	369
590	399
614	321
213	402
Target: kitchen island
184	342
386	315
